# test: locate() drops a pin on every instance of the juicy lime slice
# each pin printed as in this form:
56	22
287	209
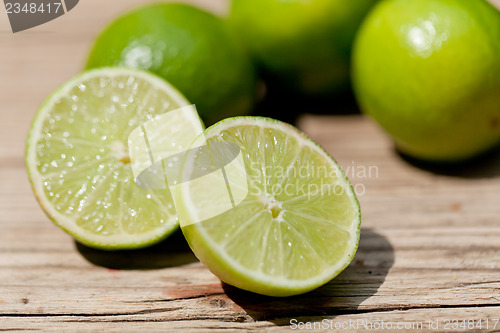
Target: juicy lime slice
78	160
296	229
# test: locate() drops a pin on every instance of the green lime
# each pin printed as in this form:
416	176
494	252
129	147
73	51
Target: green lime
79	164
190	48
303	45
428	72
296	229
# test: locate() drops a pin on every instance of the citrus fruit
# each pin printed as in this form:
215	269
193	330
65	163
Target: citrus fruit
428	72
296	229
79	164
302	45
190	48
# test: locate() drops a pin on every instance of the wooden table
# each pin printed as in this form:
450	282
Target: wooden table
430	244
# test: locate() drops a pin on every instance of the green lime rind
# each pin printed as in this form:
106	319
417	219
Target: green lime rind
192	49
429	73
301	46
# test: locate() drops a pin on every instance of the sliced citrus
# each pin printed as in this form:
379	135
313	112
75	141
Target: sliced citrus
79	164
296	229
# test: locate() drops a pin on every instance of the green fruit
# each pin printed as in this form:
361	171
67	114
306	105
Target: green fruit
296	228
79	165
301	44
192	49
428	72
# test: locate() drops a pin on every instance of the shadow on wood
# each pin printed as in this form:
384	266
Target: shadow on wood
342	295
486	165
287	106
173	251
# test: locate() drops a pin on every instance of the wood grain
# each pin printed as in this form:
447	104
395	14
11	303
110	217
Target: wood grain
430	246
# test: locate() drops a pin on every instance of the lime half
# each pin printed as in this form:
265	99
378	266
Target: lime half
298	226
78	161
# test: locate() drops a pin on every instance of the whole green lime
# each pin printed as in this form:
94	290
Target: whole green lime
192	49
302	45
428	72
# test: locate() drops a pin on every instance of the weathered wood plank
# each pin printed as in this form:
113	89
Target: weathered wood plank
430	246
426	244
485	317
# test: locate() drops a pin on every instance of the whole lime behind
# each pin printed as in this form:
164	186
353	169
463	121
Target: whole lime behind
428	72
301	45
192	49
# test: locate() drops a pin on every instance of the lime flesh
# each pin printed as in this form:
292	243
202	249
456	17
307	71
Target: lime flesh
78	162
297	228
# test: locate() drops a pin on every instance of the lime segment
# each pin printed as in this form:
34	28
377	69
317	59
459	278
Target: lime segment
298	226
79	165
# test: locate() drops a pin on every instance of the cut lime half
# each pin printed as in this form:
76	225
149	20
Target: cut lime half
78	160
297	228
